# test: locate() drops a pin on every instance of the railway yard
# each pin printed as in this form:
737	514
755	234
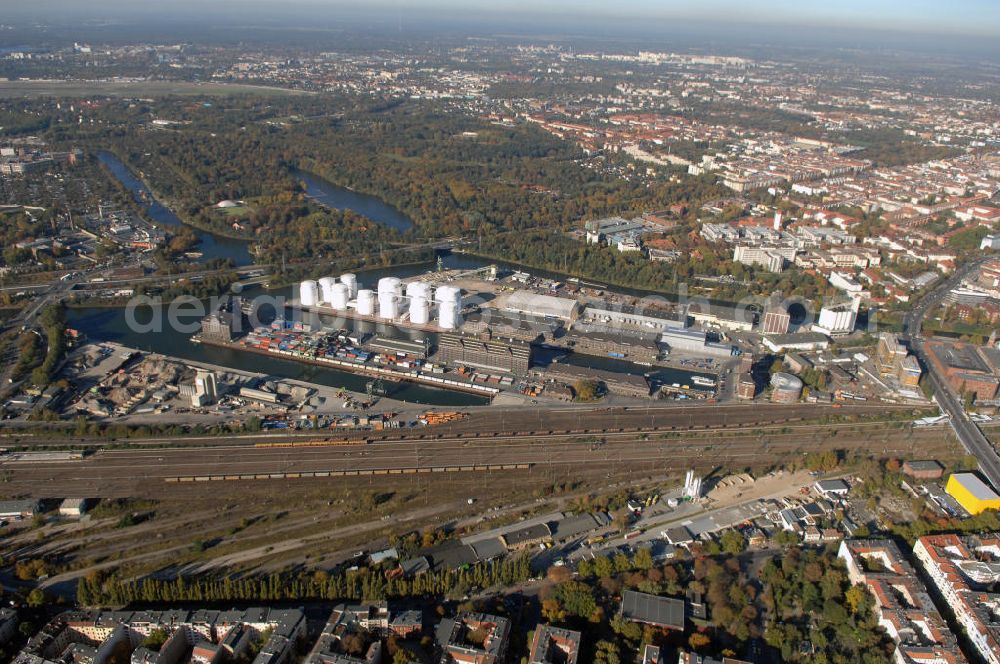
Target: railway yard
539	444
271	502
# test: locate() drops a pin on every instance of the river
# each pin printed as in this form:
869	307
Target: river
214	246
209	244
330	195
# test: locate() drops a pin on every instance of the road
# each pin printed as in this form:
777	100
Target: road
972	439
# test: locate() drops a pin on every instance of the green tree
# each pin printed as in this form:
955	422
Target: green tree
37	598
732	542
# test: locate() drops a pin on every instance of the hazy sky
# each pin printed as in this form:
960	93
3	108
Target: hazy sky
978	17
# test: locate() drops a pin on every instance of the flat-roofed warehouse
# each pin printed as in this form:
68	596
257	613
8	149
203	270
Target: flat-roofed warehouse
545	306
485	352
972	493
653	610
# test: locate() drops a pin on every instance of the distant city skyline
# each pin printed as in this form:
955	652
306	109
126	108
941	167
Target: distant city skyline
973	17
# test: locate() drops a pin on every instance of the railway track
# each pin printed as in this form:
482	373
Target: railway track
443	433
138	471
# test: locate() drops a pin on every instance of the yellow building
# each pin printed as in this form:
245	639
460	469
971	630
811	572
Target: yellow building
972	493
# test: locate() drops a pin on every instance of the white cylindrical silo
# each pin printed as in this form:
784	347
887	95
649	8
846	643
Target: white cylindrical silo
366	302
448	315
390	285
445	293
418	289
420	311
388	305
309	293
326	285
339	295
352	283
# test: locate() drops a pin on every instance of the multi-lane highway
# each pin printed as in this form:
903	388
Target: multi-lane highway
972	439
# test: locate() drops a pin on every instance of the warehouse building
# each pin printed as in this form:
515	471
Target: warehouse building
776	321
628	385
721	317
544	306
505	324
967	368
972	493
483	351
416	348
630	317
923	469
696	343
613	344
777	343
218	326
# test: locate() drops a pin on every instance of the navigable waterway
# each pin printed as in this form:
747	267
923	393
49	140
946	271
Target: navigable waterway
111	324
217	246
210	245
340	198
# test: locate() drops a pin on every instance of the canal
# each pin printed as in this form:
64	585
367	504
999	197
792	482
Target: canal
210	245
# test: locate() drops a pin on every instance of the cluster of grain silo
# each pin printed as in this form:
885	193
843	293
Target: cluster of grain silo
785	388
449	301
387	301
329	291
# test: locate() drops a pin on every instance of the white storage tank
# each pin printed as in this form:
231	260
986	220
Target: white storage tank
388	305
447	293
390	285
366	302
309	293
326	285
420	310
339	295
352	283
418	289
448	315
